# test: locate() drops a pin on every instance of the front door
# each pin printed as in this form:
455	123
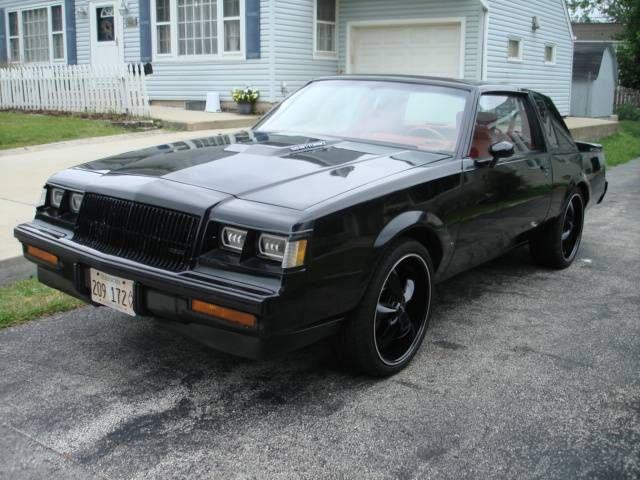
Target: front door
506	199
106	33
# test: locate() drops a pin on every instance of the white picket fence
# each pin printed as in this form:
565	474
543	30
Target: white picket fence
110	89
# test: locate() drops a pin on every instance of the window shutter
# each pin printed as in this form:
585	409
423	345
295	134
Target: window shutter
145	31
3	38
252	26
70	28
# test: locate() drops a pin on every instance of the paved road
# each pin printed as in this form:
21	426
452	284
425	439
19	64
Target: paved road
525	373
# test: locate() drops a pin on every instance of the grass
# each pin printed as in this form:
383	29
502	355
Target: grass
29	299
624	145
24	129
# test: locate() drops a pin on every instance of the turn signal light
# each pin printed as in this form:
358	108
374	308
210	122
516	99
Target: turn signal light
240	318
46	257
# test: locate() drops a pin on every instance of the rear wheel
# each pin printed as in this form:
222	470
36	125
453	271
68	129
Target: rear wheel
387	329
557	244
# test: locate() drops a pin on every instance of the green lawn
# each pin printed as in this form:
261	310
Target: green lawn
24	129
624	145
29	299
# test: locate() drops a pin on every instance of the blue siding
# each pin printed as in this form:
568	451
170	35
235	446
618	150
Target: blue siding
514	18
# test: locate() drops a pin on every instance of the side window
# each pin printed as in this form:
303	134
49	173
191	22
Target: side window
501	118
563	135
546	121
557	134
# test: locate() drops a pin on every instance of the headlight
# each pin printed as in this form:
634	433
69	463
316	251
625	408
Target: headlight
57	195
290	254
42	201
233	238
76	201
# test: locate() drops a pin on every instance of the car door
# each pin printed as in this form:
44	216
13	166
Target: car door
502	198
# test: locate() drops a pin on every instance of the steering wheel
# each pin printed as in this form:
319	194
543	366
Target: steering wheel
432	131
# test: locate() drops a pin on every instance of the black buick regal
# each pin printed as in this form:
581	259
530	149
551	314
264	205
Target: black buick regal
335	215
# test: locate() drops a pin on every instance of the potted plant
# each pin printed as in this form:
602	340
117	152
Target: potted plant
246	99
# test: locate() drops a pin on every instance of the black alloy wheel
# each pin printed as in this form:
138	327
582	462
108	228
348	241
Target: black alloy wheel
402	309
386	330
572	227
556	244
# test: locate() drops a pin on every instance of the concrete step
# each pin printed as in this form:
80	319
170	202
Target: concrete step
591	129
193	120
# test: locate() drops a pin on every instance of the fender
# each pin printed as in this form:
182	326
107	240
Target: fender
424	221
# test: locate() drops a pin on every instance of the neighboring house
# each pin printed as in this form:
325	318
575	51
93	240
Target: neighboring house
595	77
196	46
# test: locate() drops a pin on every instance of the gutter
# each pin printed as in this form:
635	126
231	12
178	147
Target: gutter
485	40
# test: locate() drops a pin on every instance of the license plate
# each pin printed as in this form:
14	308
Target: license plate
112	291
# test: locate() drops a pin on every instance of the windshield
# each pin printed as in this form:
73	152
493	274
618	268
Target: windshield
424	117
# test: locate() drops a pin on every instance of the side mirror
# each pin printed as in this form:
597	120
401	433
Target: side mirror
502	150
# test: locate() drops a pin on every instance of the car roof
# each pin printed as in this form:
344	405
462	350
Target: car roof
437	81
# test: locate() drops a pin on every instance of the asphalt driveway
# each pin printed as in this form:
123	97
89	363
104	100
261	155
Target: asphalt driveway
525	373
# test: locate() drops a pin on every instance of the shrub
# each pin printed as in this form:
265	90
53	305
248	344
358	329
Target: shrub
245	95
626	111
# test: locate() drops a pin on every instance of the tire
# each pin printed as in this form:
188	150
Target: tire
556	246
386	330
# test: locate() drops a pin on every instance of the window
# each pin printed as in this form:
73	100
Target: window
559	138
57	32
422	117
325	27
163	27
14	37
550	54
231	13
514	48
189	28
501	118
37	34
106	25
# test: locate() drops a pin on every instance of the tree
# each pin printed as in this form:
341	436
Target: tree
625	12
587	11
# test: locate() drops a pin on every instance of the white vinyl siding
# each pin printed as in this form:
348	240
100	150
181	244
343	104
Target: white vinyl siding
295	61
512	19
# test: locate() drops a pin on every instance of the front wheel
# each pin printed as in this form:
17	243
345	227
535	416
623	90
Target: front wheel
557	245
387	329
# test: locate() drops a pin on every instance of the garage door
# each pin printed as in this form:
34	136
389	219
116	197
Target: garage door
420	49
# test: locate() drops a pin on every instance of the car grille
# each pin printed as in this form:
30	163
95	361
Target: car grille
154	236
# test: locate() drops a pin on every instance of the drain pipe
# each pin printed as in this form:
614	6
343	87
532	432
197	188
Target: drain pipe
485	39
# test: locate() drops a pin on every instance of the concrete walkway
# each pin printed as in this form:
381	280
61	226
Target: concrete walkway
25	170
192	120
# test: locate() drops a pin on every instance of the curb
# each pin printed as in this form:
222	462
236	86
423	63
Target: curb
14	269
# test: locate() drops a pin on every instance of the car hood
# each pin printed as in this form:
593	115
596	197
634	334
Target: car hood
286	170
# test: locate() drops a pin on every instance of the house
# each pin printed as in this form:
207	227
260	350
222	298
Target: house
595	77
198	46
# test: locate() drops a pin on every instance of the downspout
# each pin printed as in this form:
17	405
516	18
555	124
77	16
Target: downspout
485	39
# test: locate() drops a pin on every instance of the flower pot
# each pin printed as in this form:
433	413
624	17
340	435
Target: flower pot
245	108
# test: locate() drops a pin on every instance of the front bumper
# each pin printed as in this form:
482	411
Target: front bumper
281	325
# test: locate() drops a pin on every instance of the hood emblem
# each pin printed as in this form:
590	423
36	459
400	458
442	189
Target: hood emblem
305	147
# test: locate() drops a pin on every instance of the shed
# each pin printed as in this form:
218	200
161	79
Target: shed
595	77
